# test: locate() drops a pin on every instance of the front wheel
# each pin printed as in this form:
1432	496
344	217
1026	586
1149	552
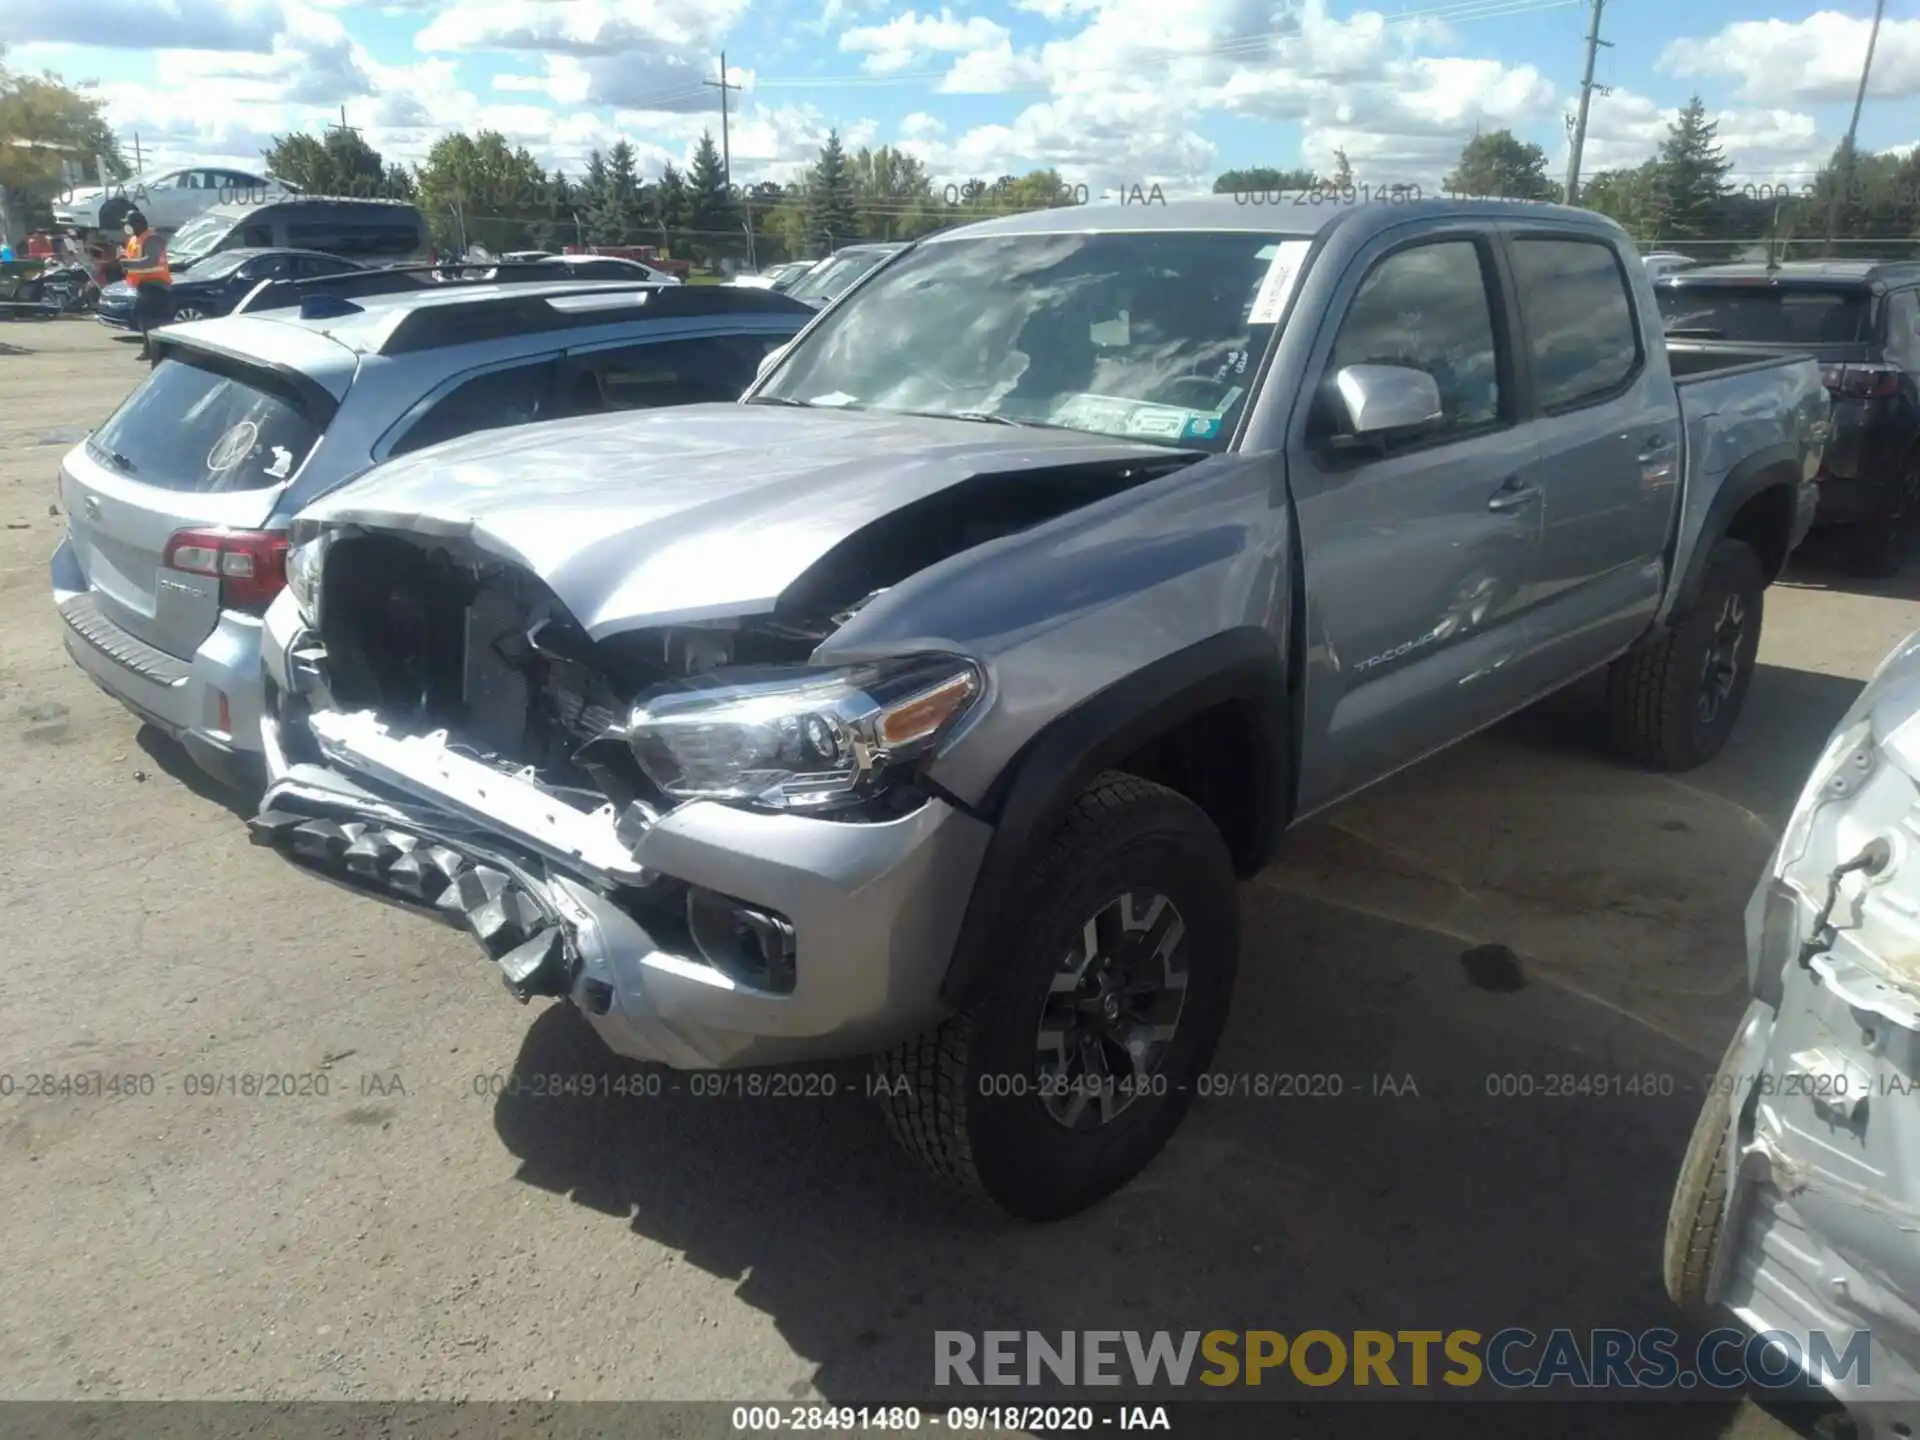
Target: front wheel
1116	966
184	313
1673	703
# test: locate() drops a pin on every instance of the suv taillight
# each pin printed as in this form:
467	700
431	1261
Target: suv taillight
251	565
1860	382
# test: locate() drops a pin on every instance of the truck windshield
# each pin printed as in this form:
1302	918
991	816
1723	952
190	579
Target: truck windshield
1153	336
1767	314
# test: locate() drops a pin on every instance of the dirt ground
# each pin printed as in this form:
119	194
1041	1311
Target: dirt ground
411	1234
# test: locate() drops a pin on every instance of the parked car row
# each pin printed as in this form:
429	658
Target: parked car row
926	700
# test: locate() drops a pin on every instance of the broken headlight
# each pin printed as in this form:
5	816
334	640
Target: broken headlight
798	738
304	561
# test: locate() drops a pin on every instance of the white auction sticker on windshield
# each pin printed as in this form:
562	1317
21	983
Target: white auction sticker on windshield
1277	288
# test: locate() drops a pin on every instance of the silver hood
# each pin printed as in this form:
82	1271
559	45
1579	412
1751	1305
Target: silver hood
699	512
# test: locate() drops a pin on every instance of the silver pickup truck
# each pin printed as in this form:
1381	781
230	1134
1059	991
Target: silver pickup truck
928	702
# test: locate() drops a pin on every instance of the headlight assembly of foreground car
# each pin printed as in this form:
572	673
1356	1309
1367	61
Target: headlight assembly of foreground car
798	739
305	558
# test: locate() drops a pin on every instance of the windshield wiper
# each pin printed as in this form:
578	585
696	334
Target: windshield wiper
1696	332
780	400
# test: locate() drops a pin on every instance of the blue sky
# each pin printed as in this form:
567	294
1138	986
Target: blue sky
1111	92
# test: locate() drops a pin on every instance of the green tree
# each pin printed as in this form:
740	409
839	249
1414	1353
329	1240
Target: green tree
51	135
894	195
558	226
478	190
1691	171
670	208
1878	198
1264	179
1342	176
340	163
1500	164
713	214
620	216
1630	197
833	216
590	196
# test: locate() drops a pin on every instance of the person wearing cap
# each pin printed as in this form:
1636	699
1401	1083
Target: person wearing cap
143	260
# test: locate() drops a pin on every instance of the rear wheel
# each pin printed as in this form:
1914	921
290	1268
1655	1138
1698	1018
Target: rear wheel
1673	703
1076	1067
189	312
1877	549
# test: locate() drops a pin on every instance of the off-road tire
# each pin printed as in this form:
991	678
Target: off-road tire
1878	549
1653	691
1120	832
1698	1211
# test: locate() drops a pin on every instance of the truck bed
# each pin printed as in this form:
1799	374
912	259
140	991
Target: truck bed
1691	362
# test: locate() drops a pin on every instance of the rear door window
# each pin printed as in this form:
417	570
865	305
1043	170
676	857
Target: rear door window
512	395
1767	314
1581	336
667	372
205	426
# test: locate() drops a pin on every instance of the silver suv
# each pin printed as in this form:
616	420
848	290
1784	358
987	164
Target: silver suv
177	507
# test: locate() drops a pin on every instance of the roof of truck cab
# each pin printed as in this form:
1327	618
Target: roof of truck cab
1858	272
1258	215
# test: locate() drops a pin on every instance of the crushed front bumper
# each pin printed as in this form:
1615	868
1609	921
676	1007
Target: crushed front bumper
561	899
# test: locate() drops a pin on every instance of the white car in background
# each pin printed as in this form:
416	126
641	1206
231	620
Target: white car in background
168	198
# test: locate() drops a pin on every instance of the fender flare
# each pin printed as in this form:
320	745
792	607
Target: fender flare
1776	465
1031	795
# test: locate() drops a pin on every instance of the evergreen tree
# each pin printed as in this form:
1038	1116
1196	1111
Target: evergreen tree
832	216
1691	175
590	197
621	215
670	210
712	213
1342	171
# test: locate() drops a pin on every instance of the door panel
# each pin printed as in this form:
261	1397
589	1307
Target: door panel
1421	560
1608	466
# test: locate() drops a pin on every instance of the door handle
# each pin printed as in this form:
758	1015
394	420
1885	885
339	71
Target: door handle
1514	494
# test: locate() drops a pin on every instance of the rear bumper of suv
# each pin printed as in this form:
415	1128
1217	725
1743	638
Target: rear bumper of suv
181	698
567	904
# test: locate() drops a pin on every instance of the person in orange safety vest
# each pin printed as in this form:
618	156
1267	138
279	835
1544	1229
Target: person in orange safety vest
143	260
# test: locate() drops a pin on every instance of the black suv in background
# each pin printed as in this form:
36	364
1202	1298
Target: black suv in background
1861	319
367	232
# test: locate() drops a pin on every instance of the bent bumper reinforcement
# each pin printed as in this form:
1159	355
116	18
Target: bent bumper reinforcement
383	849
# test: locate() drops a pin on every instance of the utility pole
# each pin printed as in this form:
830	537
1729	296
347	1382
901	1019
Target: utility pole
1844	180
139	165
726	144
1594	42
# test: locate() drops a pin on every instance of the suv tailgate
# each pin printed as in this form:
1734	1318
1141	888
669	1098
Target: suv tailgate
207	440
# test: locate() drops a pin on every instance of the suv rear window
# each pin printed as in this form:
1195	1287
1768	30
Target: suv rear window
207	427
1767	314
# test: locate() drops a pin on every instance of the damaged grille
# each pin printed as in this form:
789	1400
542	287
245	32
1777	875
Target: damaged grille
530	945
432	639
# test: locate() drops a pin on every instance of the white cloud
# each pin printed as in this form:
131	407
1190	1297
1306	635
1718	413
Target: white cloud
583	27
994	72
234	25
909	37
1812	61
922	126
1104	142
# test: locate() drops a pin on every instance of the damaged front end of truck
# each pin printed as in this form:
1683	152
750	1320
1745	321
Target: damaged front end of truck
1817	1222
611	750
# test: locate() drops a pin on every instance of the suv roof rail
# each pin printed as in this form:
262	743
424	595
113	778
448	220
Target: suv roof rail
494	317
402	279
